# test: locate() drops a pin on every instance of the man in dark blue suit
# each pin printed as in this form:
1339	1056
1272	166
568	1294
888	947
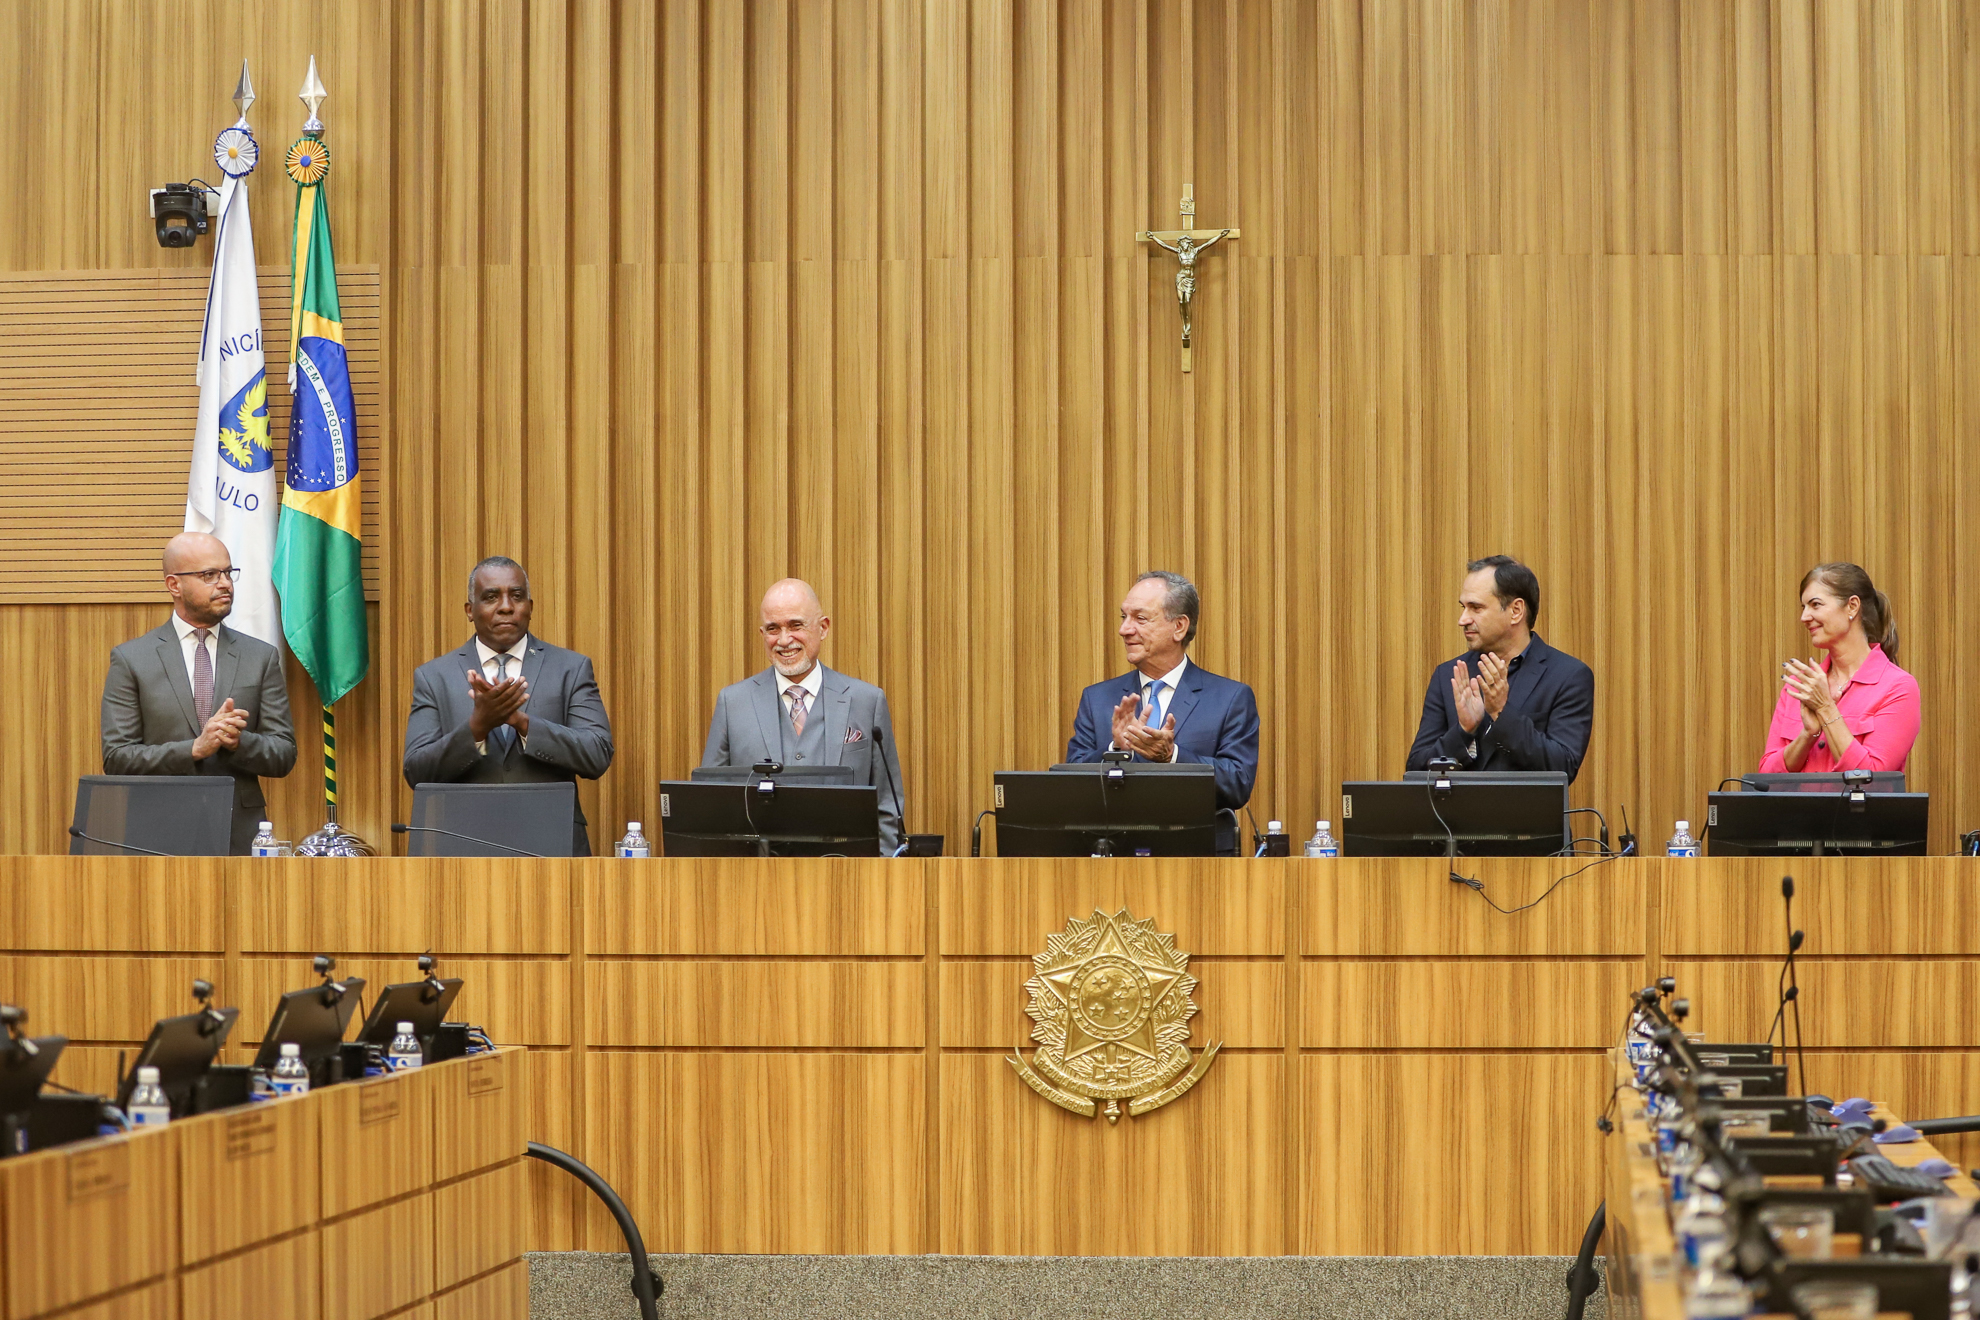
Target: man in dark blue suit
1165	708
1510	702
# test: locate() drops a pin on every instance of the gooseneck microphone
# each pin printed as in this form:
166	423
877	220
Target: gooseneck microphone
401	828
75	833
1792	993
880	746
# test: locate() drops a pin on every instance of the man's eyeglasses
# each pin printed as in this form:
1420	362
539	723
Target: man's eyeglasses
776	630
212	576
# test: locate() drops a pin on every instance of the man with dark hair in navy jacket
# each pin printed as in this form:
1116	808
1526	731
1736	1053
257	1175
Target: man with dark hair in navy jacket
1510	702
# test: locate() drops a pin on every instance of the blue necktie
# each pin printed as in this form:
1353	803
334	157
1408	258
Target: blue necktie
1152	702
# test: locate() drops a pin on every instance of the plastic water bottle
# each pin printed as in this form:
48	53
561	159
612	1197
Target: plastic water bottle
1715	1294
264	844
291	1075
634	844
1322	843
404	1053
1682	844
148	1106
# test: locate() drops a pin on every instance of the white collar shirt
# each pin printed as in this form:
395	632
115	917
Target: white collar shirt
813	684
187	641
493	673
1169	681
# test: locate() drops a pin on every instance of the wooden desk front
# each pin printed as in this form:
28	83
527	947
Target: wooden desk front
808	1056
349	1203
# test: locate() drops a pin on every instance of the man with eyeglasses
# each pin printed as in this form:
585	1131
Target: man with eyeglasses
507	708
193	697
799	713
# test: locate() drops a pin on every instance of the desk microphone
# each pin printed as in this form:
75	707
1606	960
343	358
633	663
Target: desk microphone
75	833
1793	992
880	746
399	828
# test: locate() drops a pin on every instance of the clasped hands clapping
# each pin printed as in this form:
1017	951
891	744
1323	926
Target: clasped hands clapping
222	731
1808	683
1132	734
1480	696
496	704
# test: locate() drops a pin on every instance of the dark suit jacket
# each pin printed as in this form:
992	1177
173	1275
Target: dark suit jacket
569	734
1550	709
749	726
1216	725
149	729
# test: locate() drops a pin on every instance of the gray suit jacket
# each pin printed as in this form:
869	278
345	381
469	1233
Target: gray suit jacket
148	724
569	734
749	727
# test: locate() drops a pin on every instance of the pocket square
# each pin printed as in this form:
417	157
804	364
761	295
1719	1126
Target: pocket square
855	735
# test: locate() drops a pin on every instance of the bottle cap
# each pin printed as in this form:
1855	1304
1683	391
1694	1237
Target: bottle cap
405	1028
1273	826
147	1076
291	1050
1326	825
267	827
1684	827
632	827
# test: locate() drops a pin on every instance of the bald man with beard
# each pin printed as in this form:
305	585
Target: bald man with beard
194	697
799	713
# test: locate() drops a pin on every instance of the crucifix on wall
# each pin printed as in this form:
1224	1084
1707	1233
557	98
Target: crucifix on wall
1187	243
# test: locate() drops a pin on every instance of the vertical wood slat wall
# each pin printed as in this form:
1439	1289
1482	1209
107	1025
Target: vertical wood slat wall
1671	300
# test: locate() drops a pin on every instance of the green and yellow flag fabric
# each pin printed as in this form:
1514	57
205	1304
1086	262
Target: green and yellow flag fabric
318	570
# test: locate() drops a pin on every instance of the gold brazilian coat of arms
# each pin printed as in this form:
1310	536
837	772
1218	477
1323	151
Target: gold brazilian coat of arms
1110	1007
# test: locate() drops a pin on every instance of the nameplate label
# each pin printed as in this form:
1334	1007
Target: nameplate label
484	1076
98	1172
249	1135
378	1104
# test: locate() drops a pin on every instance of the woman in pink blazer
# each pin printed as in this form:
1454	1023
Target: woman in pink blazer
1856	710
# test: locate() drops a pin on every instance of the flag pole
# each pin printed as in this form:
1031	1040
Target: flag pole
330	765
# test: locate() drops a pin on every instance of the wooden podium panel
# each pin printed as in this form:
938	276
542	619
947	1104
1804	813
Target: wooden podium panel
1203	1176
282	1278
503	1295
353	1201
87	1219
258	1171
807	1055
762	1152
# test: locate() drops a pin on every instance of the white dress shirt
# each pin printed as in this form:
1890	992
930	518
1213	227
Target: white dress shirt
186	644
813	683
1170	682
493	673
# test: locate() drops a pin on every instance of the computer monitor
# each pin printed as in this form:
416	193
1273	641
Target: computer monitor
1467	813
785	819
1827	781
314	1019
1857	821
134	815
493	820
22	1072
788	774
1109	808
182	1049
416	1002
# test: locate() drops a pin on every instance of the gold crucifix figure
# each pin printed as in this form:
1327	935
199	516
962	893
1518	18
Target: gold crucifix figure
1187	244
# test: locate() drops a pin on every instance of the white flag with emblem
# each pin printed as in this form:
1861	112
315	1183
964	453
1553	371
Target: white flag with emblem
231	491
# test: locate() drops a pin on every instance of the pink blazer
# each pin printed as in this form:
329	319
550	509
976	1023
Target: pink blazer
1880	709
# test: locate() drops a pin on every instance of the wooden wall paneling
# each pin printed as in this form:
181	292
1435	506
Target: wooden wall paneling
710	906
376	1138
109	905
1216	908
478	1223
451	908
1470	1004
395	1242
1927	1000
263	1178
1915	907
503	1295
520	1001
103	998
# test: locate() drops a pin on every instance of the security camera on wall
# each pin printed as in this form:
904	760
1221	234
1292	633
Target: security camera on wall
179	212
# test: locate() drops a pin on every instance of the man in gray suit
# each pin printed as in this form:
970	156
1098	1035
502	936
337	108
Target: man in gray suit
192	697
798	712
507	708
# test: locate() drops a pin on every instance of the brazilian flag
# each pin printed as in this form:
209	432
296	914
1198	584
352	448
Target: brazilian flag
317	546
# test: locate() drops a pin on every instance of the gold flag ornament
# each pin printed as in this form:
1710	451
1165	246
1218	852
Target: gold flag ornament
1110	1008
